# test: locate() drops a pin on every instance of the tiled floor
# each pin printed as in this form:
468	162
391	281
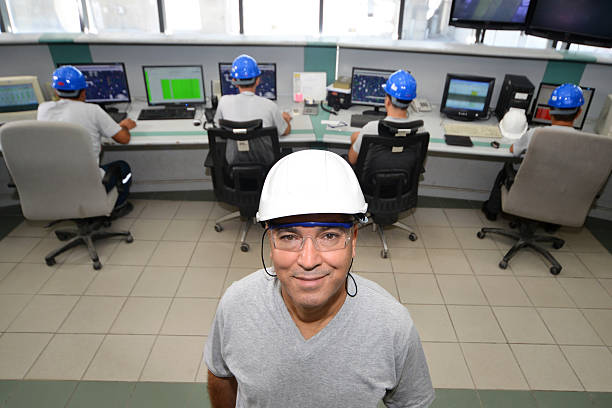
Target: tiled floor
134	331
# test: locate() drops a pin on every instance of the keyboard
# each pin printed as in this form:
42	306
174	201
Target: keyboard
359	121
471	130
168	113
117	116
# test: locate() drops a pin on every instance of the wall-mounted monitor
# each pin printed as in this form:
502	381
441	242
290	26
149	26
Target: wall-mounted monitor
490	14
267	82
582	22
467	97
366	88
19	98
174	85
540	112
106	82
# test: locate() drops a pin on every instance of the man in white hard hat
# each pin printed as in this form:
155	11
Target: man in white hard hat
305	332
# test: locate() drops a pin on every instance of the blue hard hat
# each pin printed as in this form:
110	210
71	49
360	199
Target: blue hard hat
68	78
245	70
566	96
400	85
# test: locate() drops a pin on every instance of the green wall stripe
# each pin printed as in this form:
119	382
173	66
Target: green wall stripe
558	72
321	58
70	53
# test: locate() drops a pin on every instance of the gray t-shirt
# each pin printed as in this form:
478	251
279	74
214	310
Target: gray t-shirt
369	351
371	128
244	107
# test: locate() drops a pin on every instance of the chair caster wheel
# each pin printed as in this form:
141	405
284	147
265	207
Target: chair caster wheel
62	236
97	265
480	234
513	224
412	236
503	264
558	244
384	254
218	228
244	247
555	270
129	239
50	261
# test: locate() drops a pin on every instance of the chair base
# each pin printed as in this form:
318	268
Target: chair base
384	252
244	228
526	238
86	234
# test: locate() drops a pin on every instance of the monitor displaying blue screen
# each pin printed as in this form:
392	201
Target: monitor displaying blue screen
17	97
496	11
267	82
106	83
464	94
366	86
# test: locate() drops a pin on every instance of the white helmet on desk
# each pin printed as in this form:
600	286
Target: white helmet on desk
514	124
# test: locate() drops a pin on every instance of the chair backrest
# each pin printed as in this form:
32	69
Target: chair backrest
389	166
240	183
55	170
560	176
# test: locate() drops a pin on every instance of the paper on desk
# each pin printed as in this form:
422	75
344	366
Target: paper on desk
310	84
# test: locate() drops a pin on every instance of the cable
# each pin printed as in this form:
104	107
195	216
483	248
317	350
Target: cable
332	111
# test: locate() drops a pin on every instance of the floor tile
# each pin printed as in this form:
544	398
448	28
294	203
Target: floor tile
486	261
172	253
503	291
447	366
439	237
493	366
506	399
463	217
10	307
136	253
66	357
235	274
587	292
601	321
572	266
368	259
546	292
28	228
431	217
194	210
156	395
385	280
230	231
461	290
432	322
184	230
522	325
600	264
26	278
48	394
14	249
580	240
607	284
568	326
141	315
92	314
212	254
469	240
5	268
44	314
400	238
160	209
104	249
447	398
69	280
252	258
190	317
139	206
144	229
414	288
527	262
449	262
43	248
409	260
475	324
115	280
593	366
159	281
18	351
558	399
121	357
174	358
101	394
545	367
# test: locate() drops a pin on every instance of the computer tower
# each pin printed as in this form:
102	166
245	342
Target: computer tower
516	92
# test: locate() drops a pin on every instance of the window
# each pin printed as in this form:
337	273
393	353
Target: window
377	18
512	38
204	16
123	15
28	16
588	48
274	17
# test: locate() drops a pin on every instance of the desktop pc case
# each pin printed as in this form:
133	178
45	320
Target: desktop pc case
516	92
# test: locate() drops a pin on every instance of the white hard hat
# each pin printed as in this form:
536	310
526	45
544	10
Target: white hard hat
310	182
514	124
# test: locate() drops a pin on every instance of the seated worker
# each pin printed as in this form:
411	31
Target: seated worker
69	84
401	90
306	332
565	103
247	106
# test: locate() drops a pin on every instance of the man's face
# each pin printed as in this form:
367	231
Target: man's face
311	278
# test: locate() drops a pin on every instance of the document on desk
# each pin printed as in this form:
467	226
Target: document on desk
310	84
301	122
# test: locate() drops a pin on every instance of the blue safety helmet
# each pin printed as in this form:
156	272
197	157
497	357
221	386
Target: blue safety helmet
245	70
68	81
401	87
566	99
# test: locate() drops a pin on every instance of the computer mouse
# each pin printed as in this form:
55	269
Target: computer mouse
197	122
495	144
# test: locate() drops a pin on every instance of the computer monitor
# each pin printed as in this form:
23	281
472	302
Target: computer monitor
267	83
467	97
106	82
366	88
19	98
490	14
174	85
540	112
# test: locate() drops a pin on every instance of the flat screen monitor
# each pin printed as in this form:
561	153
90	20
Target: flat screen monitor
106	82
174	85
366	87
467	97
540	113
20	93
583	22
267	83
493	14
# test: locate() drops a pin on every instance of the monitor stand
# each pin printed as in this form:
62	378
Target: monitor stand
375	112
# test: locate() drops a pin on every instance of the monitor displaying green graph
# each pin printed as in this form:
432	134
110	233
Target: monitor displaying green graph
174	85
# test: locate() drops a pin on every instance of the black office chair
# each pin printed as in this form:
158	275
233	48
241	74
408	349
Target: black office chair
388	167
239	183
